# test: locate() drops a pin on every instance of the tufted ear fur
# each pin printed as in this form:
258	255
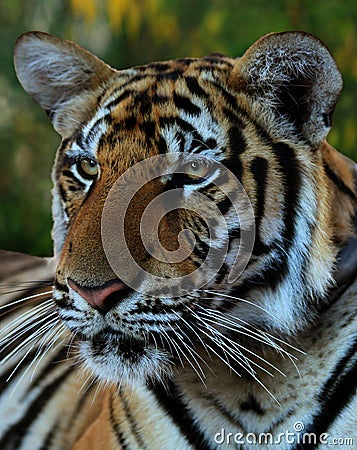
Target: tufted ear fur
296	82
61	76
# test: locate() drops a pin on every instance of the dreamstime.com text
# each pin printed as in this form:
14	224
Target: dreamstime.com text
298	436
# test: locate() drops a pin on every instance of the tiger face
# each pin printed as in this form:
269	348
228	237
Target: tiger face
217	148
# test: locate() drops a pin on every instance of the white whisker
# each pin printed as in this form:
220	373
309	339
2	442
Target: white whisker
25	299
220	320
27	317
170	341
220	294
199	372
252	372
258	331
192	329
189	347
33	337
28	325
37	359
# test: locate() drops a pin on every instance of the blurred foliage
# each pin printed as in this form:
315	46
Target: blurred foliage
130	32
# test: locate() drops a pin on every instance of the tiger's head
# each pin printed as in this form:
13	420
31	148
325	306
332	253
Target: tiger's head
171	167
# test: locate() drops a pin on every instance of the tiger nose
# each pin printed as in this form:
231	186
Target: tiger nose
104	297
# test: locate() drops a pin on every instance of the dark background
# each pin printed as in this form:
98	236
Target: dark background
130	32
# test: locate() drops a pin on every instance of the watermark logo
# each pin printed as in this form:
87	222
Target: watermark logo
160	187
298	436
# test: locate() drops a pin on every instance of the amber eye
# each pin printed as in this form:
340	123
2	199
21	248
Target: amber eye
88	168
197	170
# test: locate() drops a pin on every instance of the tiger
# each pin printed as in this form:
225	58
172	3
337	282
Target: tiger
202	292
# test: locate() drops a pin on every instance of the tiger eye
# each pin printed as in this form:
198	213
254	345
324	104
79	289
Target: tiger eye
88	168
197	169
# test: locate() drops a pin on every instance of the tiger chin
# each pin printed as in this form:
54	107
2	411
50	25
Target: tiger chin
204	241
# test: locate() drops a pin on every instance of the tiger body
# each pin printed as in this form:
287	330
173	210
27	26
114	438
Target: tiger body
223	362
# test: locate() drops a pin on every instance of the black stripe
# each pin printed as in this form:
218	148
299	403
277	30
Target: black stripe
237	113
127	124
48	440
61	287
158	66
216	69
161	145
185	61
148	127
71	175
63	195
224	205
169	398
210	143
84	141
218	60
123	96
229	99
180	179
234	233
14	436
63	303
116	428
335	395
227	413
201	248
236	138
124	87
267	277
185	126
330	385
291	182
160	100
339	182
173	75
259	169
259	248
237	143
133	425
252	405
73	188
222	273
185	104
81	403
143	100
61	157
182	140
194	87
69	160
234	164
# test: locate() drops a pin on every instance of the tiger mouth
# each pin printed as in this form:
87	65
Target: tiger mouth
121	359
119	344
124	348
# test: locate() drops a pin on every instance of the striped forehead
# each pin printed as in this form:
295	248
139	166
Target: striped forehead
88	140
183	118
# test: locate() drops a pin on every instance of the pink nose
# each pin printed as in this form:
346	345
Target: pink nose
102	298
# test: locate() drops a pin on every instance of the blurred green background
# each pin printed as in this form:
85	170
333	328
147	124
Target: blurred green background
129	32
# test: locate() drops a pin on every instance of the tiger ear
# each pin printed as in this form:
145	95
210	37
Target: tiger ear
296	82
60	76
